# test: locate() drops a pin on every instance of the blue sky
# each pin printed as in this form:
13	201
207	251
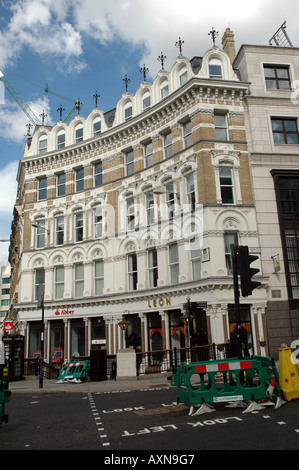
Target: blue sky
80	47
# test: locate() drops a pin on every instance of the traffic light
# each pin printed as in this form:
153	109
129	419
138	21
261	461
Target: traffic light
246	272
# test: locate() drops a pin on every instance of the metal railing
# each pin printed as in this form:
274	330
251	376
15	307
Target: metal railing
31	367
152	362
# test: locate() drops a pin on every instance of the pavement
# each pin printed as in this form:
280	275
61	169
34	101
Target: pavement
31	384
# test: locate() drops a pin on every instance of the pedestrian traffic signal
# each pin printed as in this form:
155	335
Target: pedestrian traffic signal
246	272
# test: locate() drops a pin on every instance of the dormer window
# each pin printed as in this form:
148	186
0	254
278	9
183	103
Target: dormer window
128	111
79	133
97	127
215	69
183	76
61	139
146	100
42	144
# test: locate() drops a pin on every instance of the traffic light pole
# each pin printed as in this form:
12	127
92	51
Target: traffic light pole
234	255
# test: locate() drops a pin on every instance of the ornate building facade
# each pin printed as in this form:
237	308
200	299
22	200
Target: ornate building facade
126	214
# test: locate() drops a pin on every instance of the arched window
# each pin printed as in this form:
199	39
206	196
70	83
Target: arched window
96	126
164	89
215	69
128	111
78	133
42	144
61	139
183	76
146	100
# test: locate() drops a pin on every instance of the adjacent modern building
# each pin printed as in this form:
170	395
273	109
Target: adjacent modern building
271	117
128	214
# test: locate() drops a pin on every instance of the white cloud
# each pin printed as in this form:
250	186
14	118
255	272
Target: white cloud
8	190
13	120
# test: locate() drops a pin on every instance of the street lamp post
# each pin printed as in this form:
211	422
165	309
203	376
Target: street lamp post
40	304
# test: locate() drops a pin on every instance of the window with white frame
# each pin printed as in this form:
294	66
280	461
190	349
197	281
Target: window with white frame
230	238
79	279
128	111
39	279
78	226
40	233
167	138
148	154
79	133
150	213
170	200
61	139
174	267
146	100
220	127
42	188
195	255
215	69
97	127
183	76
187	134
164	89
42	144
190	190
153	267
130	213
98	277
58	282
98	221
132	271
98	174
226	184
79	180
129	157
59	230
60	184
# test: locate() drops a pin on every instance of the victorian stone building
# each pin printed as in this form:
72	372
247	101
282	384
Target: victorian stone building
127	215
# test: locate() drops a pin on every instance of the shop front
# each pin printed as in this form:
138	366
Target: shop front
148	325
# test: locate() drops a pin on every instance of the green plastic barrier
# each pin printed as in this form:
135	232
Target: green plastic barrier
74	372
5	395
228	380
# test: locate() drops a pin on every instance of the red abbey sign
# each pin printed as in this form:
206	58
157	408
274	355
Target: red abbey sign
8	325
65	311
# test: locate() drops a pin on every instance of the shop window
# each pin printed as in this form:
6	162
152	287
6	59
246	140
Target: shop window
77	337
